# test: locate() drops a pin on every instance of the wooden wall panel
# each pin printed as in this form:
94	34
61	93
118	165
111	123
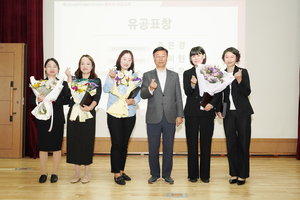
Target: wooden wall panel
257	147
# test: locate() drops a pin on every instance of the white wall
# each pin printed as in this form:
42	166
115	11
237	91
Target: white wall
272	57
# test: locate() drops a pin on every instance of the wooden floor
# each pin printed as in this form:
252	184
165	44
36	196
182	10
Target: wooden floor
271	178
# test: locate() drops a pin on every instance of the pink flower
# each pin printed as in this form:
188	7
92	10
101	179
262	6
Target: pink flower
75	88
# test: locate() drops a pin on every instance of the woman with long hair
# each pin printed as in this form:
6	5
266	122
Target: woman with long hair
120	128
81	135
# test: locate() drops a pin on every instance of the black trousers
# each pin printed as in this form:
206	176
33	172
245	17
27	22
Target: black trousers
120	130
238	136
194	124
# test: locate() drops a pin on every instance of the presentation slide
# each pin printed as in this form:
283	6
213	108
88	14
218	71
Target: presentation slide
103	29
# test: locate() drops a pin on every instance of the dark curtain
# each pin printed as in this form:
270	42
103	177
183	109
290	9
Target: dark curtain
298	147
21	21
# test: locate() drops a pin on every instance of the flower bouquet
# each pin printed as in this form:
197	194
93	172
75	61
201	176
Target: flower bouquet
51	89
125	77
126	85
211	81
82	91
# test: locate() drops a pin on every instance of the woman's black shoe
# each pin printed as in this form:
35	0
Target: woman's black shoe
233	181
54	178
126	177
239	182
43	178
205	180
193	180
120	180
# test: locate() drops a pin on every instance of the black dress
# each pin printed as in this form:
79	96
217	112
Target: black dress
81	135
52	141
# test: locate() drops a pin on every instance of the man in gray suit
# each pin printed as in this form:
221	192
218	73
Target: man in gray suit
164	112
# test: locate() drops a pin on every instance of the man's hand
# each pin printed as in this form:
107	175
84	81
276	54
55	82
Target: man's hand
153	85
178	121
220	115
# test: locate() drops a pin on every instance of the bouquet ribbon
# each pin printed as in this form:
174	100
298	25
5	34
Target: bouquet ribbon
120	108
76	110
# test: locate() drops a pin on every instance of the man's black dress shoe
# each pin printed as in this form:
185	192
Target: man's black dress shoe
193	180
54	178
126	177
120	180
205	180
43	178
239	182
233	181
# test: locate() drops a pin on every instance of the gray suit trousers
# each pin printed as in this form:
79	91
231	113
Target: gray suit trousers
154	134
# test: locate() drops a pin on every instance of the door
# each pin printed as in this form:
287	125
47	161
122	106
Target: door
11	99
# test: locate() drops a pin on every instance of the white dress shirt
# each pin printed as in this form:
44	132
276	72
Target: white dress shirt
232	106
162	76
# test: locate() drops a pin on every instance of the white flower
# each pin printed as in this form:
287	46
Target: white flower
84	88
120	75
123	81
128	73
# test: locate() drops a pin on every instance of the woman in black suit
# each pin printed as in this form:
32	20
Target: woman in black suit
237	123
196	119
51	141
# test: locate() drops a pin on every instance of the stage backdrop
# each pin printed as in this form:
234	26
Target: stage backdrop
266	32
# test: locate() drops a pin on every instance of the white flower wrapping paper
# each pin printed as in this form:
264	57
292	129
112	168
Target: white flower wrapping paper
76	110
44	110
212	88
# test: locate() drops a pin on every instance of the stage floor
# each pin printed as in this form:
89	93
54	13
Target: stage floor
270	178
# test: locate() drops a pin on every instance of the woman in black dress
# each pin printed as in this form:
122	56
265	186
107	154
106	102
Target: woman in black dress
51	141
237	122
81	135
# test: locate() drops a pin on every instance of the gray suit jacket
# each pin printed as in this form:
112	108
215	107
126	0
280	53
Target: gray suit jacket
169	102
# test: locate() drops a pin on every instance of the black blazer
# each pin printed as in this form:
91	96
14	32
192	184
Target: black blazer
240	93
192	105
62	99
